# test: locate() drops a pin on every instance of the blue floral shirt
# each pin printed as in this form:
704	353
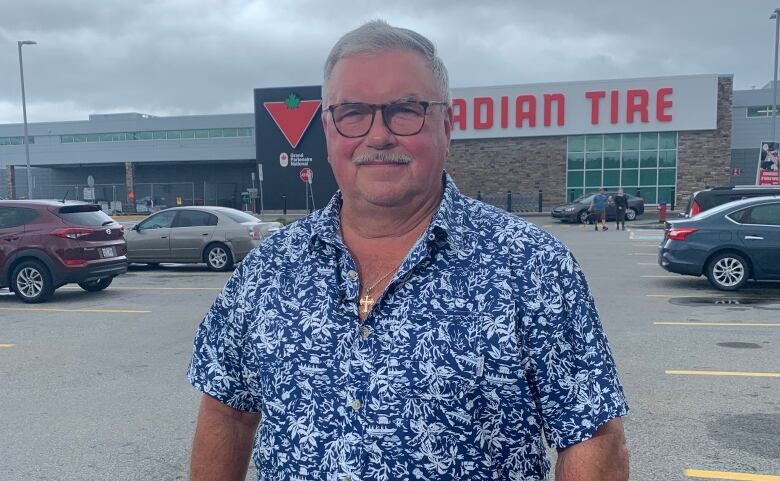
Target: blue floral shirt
485	342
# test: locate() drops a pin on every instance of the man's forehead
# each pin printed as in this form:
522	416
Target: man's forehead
392	74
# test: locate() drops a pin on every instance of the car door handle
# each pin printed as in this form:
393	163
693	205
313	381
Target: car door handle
205	233
164	237
753	237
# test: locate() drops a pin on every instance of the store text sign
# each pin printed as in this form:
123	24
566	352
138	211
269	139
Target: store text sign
570	108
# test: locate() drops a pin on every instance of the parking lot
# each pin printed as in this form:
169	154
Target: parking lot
94	385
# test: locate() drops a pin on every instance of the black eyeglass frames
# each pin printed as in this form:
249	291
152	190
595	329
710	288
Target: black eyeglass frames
404	117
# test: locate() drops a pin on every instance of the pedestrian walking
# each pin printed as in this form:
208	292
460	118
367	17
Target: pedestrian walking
621	205
598	207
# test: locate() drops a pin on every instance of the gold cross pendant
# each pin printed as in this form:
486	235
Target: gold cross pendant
366	303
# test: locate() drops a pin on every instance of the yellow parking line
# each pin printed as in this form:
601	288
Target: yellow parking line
49	309
723	373
697	473
717	324
677	295
7	345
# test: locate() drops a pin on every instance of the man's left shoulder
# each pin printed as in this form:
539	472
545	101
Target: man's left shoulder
494	222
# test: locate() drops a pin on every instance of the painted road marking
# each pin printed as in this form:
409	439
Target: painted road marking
697	473
662	277
681	296
717	324
49	309
644	254
722	373
7	345
648	264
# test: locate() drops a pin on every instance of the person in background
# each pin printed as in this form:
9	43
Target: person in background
598	207
621	204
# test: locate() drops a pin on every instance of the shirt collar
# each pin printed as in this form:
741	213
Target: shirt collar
445	225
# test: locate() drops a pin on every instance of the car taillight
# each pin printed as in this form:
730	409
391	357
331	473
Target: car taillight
72	232
74	262
254	232
679	233
695	208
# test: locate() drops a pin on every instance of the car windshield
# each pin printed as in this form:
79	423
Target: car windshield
86	215
238	216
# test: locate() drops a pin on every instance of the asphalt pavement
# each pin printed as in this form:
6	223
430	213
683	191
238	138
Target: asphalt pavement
94	386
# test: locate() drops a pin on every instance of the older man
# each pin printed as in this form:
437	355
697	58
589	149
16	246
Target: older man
404	331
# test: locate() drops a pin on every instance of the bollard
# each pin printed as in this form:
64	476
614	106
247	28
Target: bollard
540	200
662	212
509	201
479	195
284	204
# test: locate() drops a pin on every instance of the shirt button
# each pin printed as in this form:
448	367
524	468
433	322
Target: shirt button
356	404
364	332
352	275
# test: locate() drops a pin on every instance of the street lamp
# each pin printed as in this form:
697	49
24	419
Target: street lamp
24	113
776	17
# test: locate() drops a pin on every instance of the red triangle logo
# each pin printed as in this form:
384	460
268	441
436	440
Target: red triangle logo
293	116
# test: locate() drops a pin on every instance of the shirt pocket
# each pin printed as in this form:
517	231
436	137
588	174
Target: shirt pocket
437	357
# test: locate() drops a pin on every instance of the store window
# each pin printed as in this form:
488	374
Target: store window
643	164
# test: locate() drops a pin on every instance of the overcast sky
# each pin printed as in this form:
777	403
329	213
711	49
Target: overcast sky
181	57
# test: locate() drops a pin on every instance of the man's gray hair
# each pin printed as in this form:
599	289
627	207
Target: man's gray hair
378	36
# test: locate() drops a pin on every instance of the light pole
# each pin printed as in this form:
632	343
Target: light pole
776	17
24	113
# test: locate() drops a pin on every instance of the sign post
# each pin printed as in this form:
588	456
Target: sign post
307	177
260	182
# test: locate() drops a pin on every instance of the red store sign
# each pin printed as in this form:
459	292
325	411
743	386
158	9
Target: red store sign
625	105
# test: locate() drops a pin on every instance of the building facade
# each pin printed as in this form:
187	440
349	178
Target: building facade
661	138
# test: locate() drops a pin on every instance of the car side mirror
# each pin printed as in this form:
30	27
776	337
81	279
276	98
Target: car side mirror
137	228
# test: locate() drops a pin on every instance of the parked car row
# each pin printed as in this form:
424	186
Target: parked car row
45	244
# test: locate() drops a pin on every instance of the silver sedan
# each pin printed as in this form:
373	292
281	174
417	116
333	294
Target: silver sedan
218	236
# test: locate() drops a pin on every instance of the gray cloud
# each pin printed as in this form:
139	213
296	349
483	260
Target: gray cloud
169	57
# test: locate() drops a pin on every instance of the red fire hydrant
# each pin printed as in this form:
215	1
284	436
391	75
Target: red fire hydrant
662	212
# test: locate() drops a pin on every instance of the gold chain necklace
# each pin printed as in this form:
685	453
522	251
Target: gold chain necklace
367	302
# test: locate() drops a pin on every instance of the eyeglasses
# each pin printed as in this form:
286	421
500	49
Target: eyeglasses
405	117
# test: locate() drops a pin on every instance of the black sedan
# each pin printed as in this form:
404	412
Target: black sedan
577	210
729	244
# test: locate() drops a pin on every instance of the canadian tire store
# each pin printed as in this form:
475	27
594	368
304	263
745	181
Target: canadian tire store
660	138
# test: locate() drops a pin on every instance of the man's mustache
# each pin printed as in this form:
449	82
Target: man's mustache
382	158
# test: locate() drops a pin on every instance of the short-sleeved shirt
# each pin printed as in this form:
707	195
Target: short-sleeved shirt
599	202
486	341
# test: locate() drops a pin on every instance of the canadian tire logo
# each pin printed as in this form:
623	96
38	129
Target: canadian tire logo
293	116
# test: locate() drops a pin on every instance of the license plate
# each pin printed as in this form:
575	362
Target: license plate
108	251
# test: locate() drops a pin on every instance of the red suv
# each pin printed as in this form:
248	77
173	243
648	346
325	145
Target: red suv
45	244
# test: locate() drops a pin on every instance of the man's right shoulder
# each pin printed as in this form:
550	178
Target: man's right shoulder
285	246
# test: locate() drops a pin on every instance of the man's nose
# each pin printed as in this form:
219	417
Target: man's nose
379	136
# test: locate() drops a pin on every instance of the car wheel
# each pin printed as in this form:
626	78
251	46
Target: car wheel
583	217
96	286
630	214
31	282
727	272
219	258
